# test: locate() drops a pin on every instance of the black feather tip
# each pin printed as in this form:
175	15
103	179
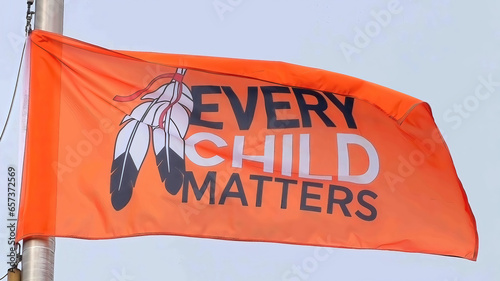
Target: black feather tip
123	178
174	178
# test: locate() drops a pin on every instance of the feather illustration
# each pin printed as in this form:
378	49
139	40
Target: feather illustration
168	137
130	150
164	117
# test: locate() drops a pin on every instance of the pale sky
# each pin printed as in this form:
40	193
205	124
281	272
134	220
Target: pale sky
436	50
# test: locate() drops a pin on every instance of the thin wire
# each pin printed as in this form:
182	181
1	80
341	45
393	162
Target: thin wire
4	275
14	95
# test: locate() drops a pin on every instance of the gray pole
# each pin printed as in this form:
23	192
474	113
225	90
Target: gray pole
49	15
38	259
38	252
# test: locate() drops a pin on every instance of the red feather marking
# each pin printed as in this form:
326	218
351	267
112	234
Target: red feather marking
177	77
174	76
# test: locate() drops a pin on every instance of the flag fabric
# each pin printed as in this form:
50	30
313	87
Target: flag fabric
123	143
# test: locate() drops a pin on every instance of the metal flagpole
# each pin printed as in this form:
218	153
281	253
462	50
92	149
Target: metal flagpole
49	15
38	252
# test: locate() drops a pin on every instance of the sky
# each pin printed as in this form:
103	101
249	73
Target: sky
438	51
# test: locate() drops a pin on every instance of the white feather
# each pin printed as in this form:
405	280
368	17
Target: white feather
135	139
154	95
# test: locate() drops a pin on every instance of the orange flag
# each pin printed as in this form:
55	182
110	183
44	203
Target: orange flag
127	143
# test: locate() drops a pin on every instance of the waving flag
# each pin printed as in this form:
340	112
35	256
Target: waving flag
126	143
